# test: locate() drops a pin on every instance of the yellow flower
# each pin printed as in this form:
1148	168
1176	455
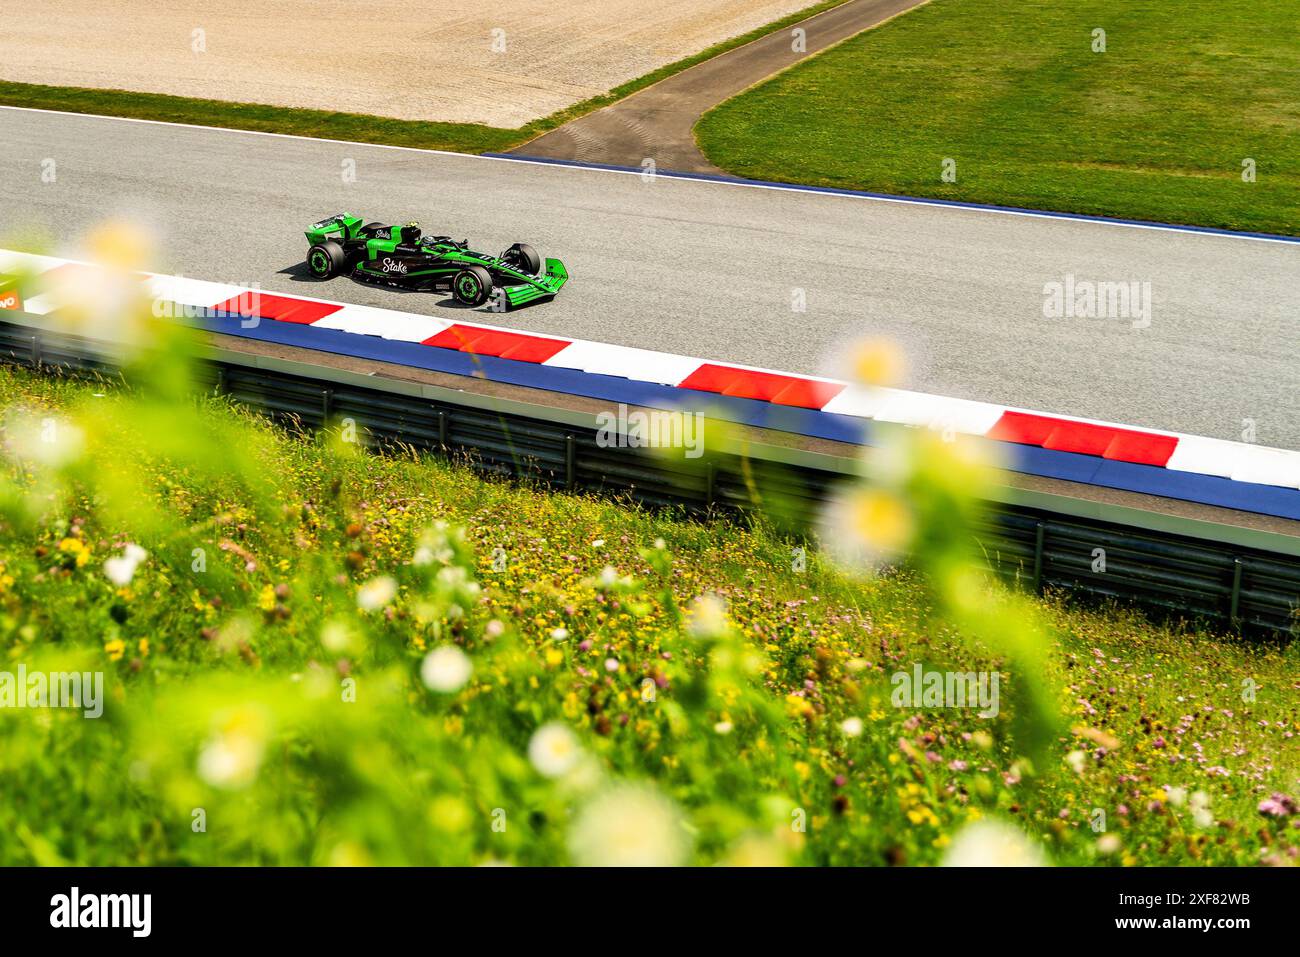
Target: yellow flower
881	519
144	647
916	816
798	706
116	648
266	600
77	548
119	245
879	362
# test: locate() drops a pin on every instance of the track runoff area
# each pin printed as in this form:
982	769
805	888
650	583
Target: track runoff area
1189	468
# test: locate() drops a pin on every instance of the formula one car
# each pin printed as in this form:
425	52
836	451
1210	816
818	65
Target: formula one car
401	256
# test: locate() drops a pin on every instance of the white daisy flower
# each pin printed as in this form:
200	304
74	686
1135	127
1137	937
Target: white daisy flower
990	843
629	826
446	669
120	569
554	750
376	593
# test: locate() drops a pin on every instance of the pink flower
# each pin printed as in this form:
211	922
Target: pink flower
1278	805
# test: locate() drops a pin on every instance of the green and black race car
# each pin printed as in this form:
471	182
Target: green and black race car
401	256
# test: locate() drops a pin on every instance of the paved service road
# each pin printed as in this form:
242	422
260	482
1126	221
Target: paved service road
715	270
658	123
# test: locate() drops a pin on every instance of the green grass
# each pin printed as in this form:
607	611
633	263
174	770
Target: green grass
227	686
1155	128
352	127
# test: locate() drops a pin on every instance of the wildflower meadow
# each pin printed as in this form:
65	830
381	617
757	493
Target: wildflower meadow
314	652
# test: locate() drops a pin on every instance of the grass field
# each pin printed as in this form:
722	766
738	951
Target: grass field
330	656
1157	127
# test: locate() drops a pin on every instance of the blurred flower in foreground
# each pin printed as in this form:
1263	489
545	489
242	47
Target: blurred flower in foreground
233	755
554	750
108	296
376	593
337	637
120	245
991	843
708	617
629	826
879	362
120	569
865	527
446	669
43	440
1200	805
757	850
349	854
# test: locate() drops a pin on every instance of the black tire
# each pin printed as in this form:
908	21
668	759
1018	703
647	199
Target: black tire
326	260
525	257
472	286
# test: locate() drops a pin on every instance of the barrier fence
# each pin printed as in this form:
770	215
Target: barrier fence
1223	582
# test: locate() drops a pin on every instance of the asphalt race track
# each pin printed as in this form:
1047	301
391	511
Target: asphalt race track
714	270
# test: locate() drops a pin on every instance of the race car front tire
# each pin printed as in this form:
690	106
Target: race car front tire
525	257
472	286
326	260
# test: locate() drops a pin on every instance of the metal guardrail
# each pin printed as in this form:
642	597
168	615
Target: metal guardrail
1225	584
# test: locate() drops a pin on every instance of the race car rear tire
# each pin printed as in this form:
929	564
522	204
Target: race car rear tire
525	257
472	286
326	260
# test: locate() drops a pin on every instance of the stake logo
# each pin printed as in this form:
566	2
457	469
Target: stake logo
393	265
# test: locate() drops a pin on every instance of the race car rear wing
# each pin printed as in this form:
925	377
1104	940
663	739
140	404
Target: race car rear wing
338	226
